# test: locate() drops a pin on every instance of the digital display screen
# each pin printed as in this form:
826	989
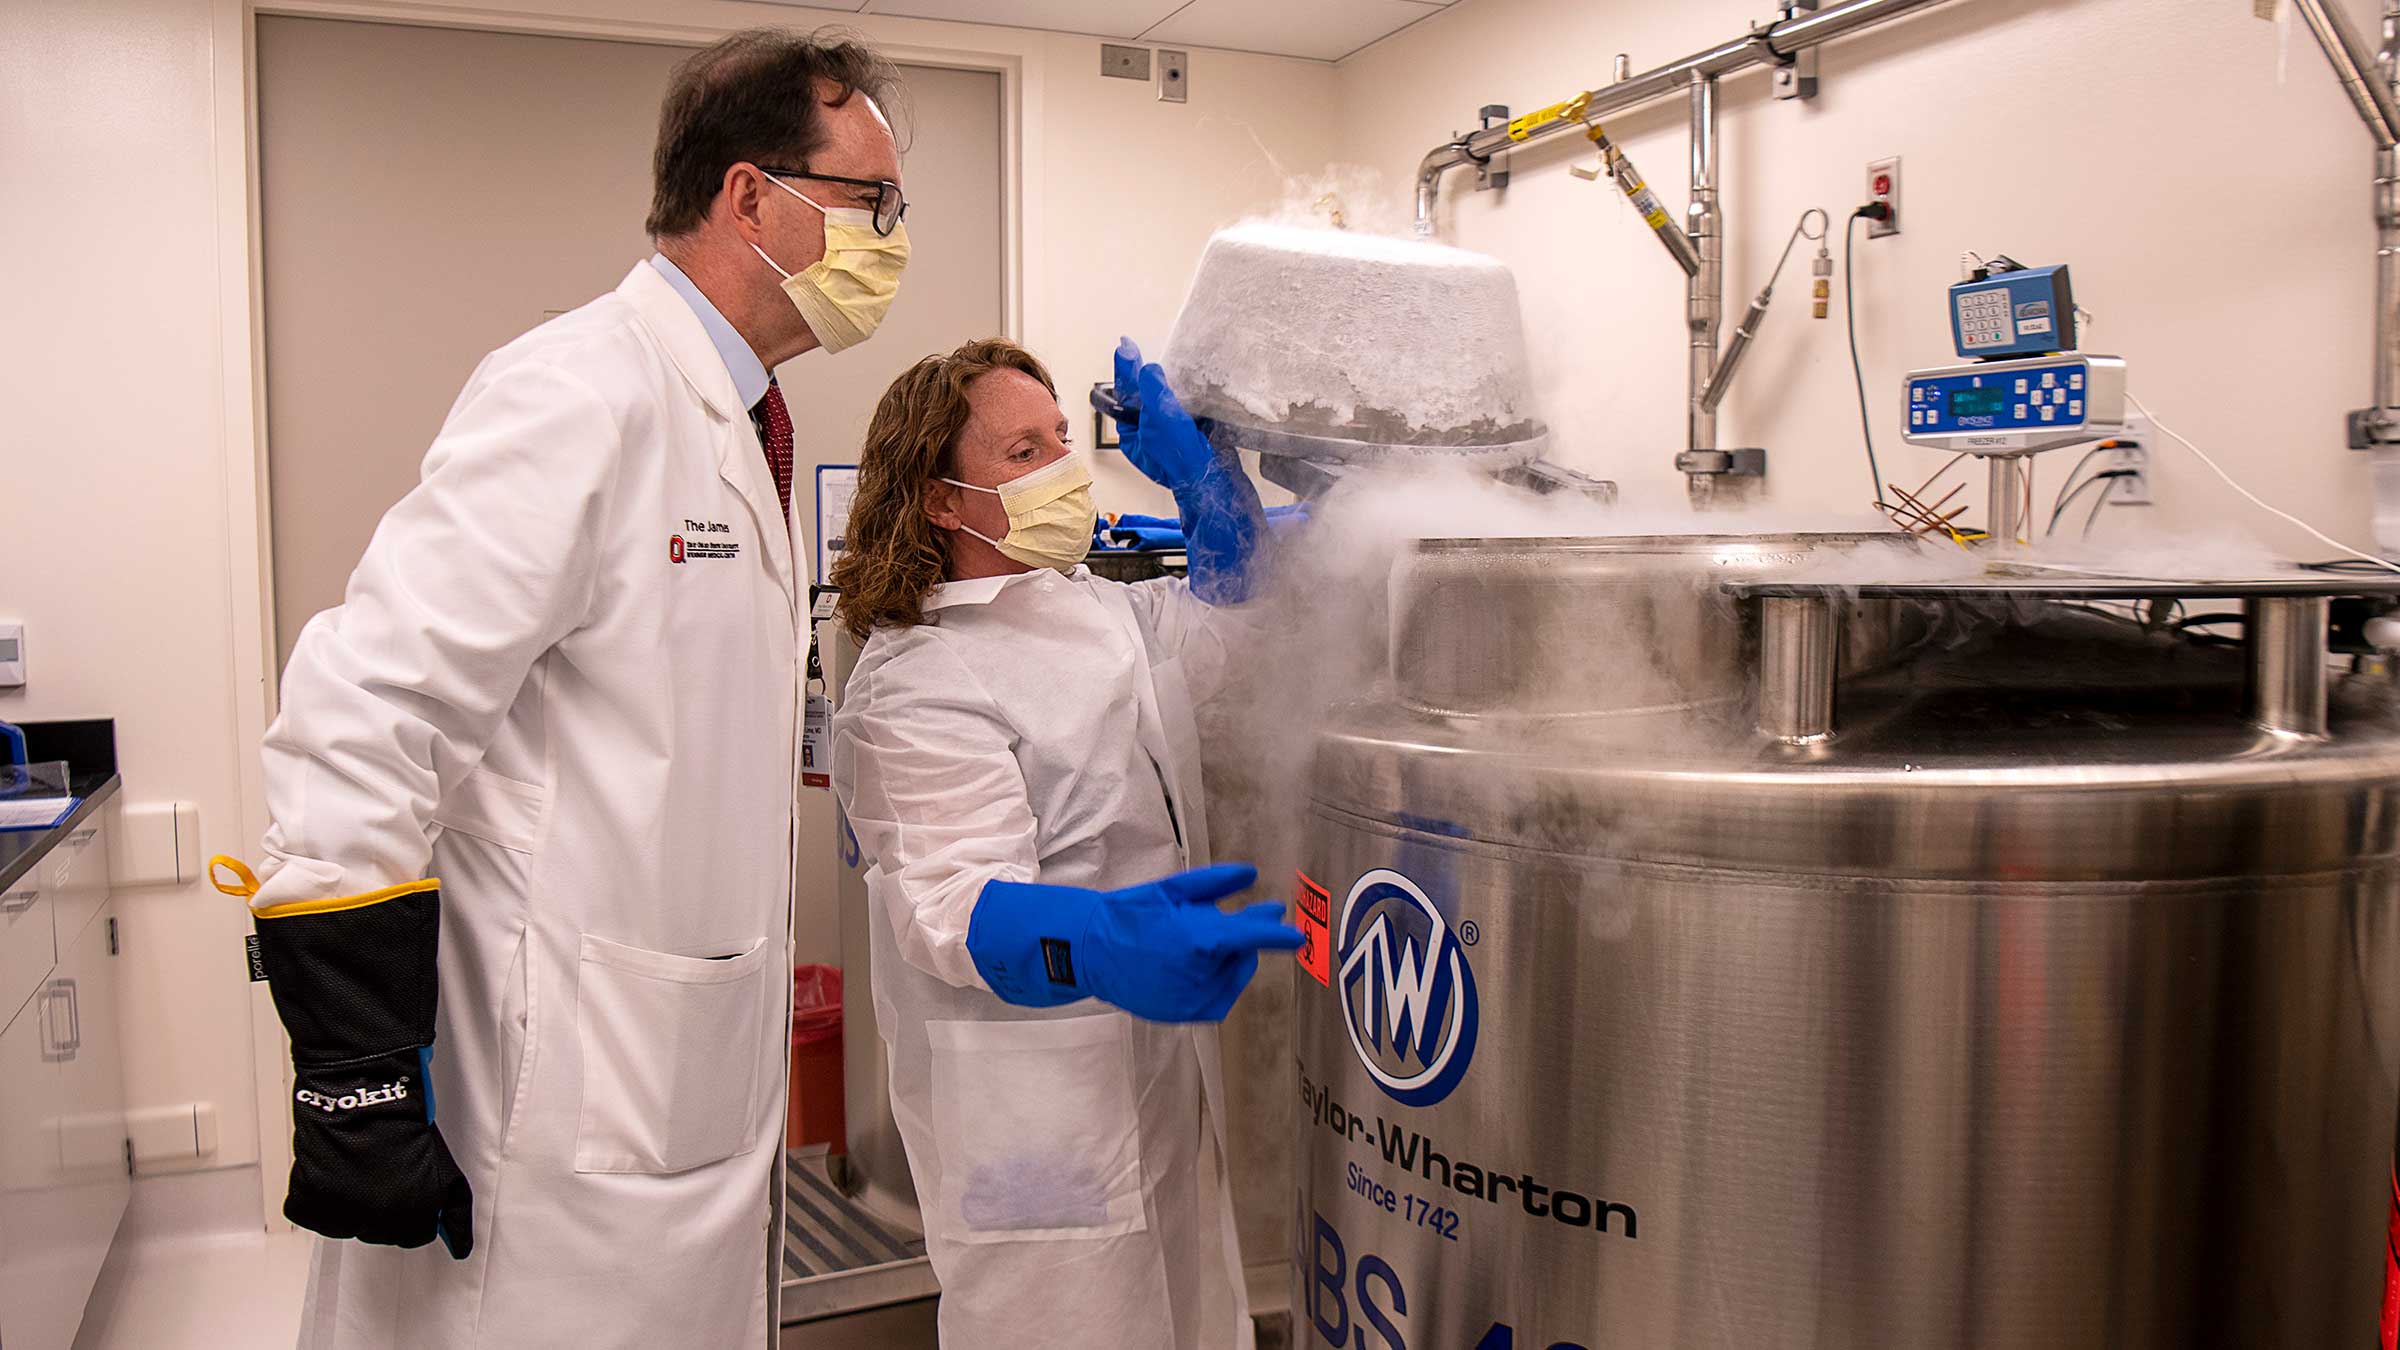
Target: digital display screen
1978	402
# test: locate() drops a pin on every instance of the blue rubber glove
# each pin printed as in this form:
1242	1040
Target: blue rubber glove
1161	950
1222	518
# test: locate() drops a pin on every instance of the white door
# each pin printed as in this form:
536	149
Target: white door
426	194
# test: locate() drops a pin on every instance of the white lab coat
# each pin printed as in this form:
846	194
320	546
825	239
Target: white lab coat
591	743
1070	1160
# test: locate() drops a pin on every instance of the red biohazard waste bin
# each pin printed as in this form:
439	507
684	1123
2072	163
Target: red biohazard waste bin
815	1108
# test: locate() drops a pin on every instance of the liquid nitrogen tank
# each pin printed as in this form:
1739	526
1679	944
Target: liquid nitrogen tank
1721	960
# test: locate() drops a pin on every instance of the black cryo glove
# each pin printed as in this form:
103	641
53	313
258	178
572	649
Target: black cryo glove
354	981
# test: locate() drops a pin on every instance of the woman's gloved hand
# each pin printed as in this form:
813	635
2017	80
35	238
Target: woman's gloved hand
1161	950
1222	518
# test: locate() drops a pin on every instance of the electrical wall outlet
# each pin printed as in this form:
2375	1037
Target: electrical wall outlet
2134	460
1883	185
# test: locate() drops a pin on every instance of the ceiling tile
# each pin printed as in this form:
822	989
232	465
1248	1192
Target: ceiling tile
1103	18
1325	30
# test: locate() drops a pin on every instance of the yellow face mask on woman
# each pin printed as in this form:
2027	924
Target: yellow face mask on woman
844	295
1050	514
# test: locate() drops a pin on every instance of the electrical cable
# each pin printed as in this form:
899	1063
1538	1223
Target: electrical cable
2108	477
2069	481
1871	211
2105	493
2319	535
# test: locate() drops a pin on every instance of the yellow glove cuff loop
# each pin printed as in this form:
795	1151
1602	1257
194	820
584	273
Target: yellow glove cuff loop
247	886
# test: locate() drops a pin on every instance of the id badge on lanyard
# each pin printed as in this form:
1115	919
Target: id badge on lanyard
816	713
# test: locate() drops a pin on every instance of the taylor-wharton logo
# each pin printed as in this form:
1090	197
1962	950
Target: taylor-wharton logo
1406	990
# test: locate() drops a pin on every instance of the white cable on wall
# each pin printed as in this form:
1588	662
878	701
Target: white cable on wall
2319	535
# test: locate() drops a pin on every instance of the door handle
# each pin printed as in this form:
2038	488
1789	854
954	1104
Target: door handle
17	902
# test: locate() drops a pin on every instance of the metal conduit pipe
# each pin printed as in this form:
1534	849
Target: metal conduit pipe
2356	68
1769	45
2368	80
2386	411
1706	290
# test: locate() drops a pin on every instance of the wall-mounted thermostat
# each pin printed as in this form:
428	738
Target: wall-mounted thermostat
12	656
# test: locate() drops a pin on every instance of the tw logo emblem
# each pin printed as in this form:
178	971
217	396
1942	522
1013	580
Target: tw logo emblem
1407	993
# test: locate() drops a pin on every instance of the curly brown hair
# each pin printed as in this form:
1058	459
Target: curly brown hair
891	552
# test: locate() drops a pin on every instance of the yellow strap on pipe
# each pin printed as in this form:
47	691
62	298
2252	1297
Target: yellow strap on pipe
1569	111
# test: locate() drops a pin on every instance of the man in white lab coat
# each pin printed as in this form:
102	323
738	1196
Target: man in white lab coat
553	724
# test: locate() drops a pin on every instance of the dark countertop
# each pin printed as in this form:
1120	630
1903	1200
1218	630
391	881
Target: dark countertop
90	749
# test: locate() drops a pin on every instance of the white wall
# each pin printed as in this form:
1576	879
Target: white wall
127	378
2218	221
1133	189
113	539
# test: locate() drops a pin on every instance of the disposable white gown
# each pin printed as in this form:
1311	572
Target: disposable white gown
1069	1160
564	680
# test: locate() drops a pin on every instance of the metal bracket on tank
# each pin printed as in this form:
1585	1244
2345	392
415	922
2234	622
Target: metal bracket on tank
2287	619
2286	648
1799	640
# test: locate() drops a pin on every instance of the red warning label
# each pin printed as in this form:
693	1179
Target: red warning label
1316	914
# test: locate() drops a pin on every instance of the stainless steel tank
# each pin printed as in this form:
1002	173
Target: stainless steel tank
2047	1002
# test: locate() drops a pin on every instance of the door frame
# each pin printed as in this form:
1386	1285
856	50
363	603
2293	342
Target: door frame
1016	56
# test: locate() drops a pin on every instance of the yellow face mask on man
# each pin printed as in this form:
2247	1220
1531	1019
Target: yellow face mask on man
844	295
1050	514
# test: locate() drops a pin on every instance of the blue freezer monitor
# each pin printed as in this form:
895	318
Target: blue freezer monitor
2028	312
2008	407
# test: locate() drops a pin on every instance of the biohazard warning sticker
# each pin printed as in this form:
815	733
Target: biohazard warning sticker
1316	914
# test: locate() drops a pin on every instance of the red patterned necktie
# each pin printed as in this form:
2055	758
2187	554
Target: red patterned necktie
776	440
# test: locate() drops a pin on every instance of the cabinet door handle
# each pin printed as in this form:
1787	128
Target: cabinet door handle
57	1047
74	1044
17	902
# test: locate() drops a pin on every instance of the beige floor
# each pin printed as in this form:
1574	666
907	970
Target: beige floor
191	1271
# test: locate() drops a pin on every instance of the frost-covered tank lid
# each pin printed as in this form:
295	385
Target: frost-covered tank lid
1357	346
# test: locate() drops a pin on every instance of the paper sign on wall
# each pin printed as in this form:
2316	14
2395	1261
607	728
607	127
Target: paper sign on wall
836	485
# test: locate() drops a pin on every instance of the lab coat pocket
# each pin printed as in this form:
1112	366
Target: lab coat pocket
671	1056
1036	1129
496	809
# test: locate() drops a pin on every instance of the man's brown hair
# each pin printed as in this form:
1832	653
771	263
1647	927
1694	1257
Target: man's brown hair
756	97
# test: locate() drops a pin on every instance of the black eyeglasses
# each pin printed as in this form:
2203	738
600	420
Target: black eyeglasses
889	207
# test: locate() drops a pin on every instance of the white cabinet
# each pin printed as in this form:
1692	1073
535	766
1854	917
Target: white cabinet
76	879
64	1175
27	949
